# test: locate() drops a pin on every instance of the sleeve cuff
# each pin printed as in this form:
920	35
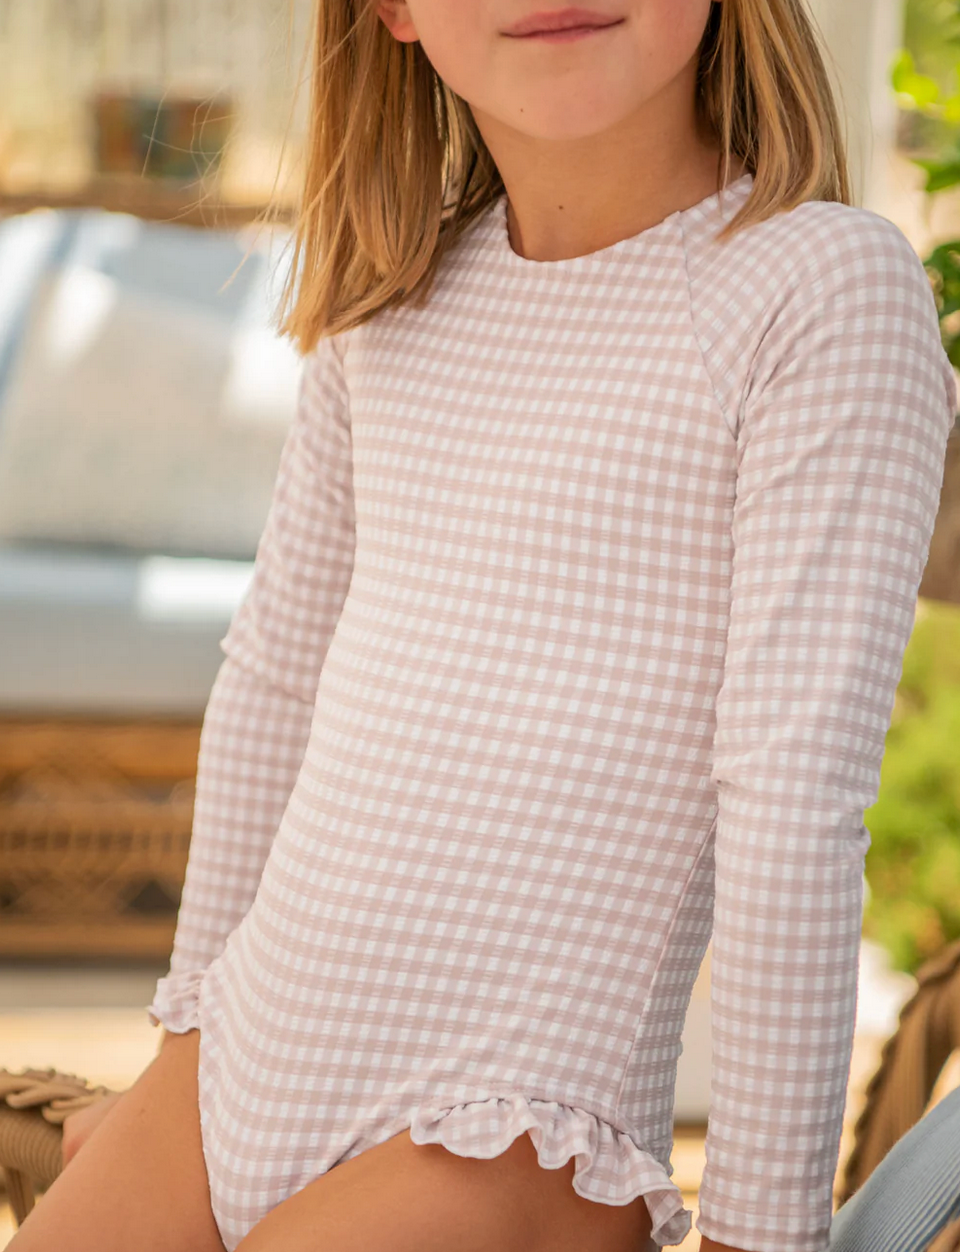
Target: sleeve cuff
175	1002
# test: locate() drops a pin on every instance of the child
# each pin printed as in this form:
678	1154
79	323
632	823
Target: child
572	640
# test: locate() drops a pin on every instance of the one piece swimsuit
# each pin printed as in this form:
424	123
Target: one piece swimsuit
571	645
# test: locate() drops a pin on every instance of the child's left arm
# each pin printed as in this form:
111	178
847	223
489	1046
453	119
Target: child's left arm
841	437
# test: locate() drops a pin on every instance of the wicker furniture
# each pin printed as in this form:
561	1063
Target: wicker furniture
95	820
112	639
33	1107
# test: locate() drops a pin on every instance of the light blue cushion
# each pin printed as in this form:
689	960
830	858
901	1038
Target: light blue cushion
912	1194
164	259
102	633
30	244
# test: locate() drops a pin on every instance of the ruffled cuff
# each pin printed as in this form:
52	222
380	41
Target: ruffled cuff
174	1004
610	1168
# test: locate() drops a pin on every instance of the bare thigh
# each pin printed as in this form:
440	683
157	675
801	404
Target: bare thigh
405	1197
140	1180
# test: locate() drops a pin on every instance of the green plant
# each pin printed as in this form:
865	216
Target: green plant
913	864
922	93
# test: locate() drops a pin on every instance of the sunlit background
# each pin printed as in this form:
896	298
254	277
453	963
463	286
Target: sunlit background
224	72
144	399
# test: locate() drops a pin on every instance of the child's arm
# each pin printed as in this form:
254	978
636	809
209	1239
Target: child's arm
840	444
261	705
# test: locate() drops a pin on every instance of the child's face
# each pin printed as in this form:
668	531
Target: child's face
557	90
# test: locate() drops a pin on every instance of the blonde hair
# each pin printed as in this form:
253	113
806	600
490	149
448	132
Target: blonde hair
395	168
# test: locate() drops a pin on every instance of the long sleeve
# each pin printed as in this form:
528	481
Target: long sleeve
840	443
260	709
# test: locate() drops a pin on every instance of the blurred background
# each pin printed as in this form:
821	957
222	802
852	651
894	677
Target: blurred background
144	399
195	94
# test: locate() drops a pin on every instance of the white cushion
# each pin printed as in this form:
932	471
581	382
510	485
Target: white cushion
143	420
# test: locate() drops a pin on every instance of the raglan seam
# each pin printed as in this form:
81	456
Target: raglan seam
691	307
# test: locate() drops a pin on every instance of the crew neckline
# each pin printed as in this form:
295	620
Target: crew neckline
613	251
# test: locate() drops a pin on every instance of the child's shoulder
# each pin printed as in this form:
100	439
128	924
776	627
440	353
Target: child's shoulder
820	252
807	246
821	261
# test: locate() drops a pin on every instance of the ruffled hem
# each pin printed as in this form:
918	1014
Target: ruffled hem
610	1168
175	1002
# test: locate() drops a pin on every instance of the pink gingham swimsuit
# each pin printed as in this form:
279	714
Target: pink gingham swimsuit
573	637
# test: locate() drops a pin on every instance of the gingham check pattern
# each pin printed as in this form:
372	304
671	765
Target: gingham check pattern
573	635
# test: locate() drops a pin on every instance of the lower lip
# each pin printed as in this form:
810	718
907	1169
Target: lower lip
568	36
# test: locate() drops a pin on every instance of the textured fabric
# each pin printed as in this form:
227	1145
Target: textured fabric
573	637
913	1194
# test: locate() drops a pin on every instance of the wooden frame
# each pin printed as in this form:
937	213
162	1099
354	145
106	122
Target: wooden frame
152	201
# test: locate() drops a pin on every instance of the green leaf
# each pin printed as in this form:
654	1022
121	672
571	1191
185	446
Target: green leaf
940	173
943	266
919	89
902	69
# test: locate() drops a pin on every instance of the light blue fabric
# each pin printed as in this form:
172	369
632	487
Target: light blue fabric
112	634
30	245
912	1194
158	258
167	260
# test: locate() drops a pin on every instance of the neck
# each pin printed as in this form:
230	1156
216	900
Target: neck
570	196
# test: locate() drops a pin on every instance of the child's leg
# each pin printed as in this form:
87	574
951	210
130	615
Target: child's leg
139	1182
404	1197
